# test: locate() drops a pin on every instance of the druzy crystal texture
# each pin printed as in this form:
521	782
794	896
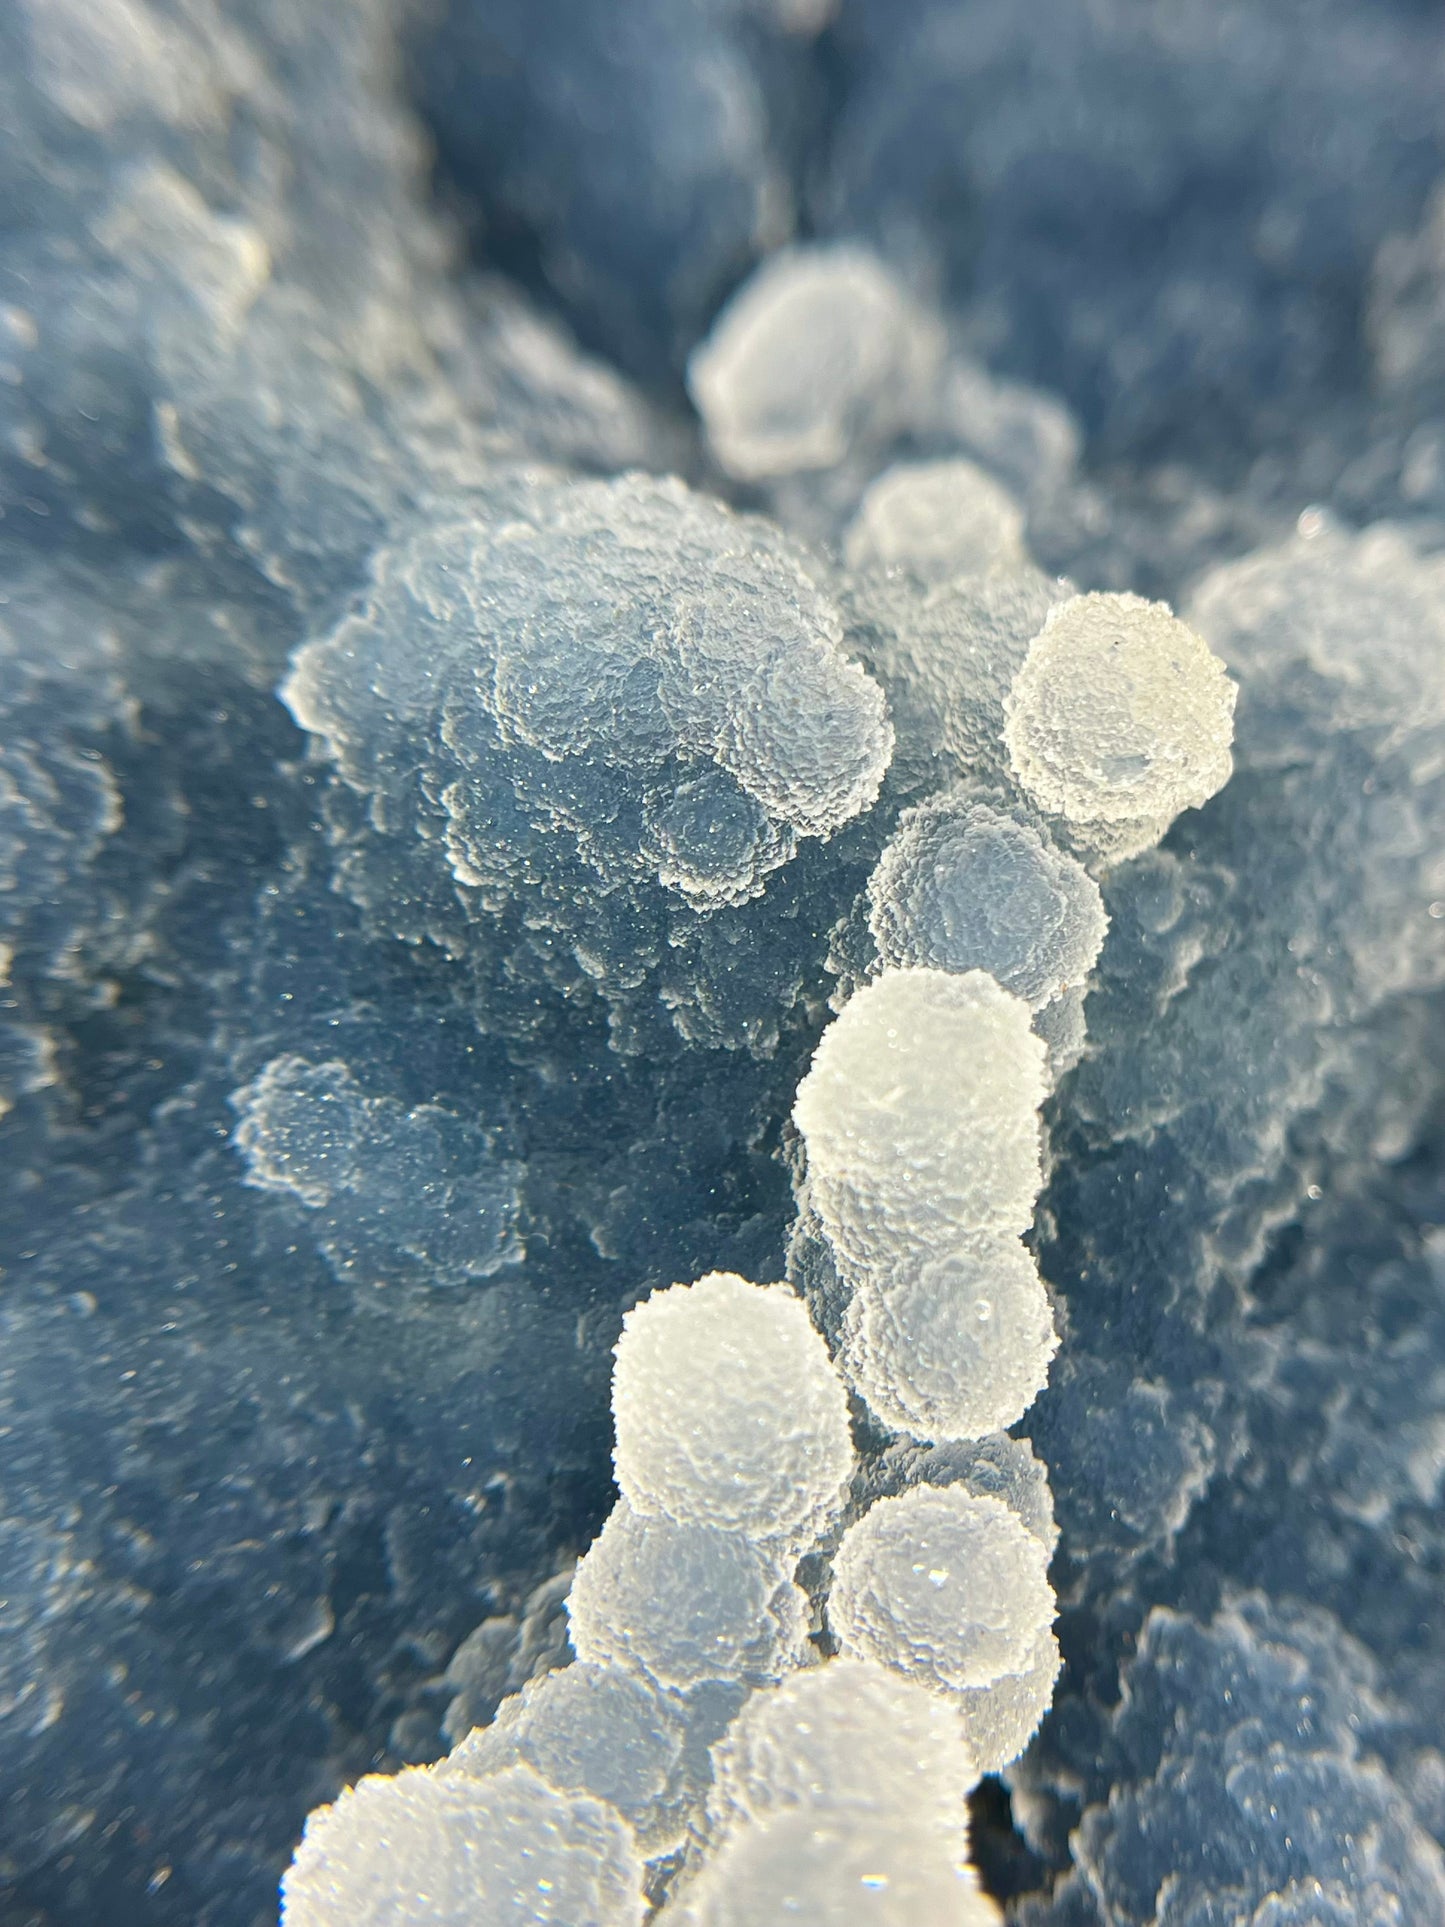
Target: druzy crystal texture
722	938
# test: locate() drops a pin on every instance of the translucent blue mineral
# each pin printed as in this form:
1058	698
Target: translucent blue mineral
722	958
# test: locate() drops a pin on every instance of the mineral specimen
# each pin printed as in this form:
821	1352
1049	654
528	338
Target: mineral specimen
736	704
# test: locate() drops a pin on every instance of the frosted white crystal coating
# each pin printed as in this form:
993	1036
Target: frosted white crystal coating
1001	1718
835	1872
684	1604
585	1729
936	519
962	885
421	1850
820	350
956	1346
942	1585
850	1735
728	1409
1119	719
920	1115
947	657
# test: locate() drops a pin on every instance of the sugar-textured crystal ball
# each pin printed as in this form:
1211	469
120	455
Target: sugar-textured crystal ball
728	1409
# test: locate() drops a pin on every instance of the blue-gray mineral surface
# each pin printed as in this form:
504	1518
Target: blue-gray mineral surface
722	963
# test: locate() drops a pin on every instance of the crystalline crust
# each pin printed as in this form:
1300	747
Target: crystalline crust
936	520
964	886
846	1736
949	1588
684	1603
366	1054
820	350
728	1411
1119	719
920	1115
421	1850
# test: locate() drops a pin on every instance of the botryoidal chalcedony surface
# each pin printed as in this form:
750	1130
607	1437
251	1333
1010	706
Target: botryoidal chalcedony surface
722	927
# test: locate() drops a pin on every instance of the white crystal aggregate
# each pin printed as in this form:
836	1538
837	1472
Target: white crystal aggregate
1001	1718
943	1585
965	885
835	1790
1120	718
790	1660
822	349
936	520
430	1849
947	654
595	1729
728	1412
920	1117
851	1736
842	1796
683	1604
835	1871
631	624
952	1347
